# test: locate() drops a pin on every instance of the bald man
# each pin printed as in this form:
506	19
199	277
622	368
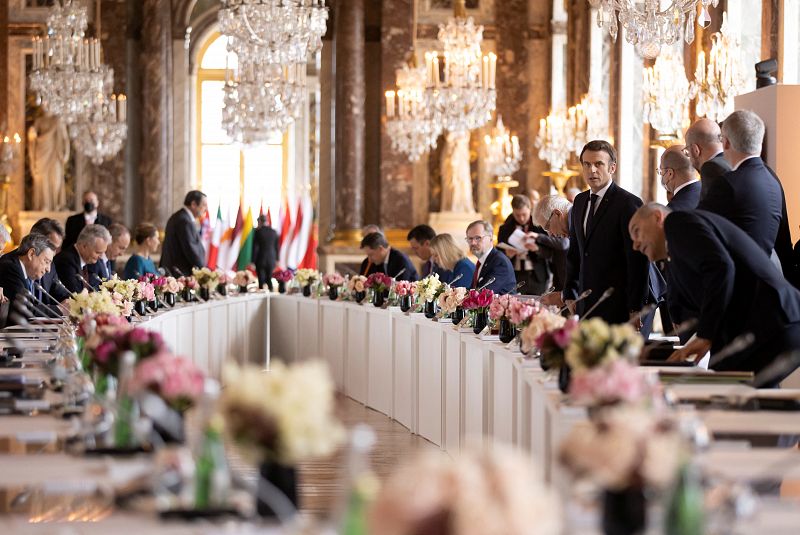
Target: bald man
679	179
704	149
723	279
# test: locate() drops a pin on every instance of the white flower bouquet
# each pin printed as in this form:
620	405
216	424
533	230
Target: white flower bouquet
125	289
451	299
429	288
357	283
544	321
99	302
283	415
244	278
205	277
305	277
595	343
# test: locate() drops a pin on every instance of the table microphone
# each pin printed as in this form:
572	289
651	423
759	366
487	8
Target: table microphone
491	280
740	343
684	327
519	285
603	297
779	368
399	273
61	284
647	309
580	298
458	278
83	281
45	292
32	299
178	271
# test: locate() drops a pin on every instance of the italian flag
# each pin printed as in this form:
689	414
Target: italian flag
216	239
236	235
246	247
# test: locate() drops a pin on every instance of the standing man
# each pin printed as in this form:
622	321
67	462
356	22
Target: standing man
18	269
265	252
419	239
183	248
552	215
679	179
120	240
492	264
381	258
77	265
601	255
89	216
704	149
723	279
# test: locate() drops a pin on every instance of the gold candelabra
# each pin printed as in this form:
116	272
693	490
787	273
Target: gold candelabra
501	208
560	178
9	149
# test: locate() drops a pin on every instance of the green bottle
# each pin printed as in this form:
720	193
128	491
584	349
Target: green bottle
127	410
685	515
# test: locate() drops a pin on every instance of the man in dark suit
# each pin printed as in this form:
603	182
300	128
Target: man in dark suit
491	264
419	239
748	195
76	265
725	281
704	149
679	179
183	249
89	216
120	240
552	215
381	258
532	266
53	231
265	252
20	268
601	254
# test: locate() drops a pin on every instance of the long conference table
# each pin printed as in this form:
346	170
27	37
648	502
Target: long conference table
451	387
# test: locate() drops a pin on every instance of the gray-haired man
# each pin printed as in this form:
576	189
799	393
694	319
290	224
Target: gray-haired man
75	264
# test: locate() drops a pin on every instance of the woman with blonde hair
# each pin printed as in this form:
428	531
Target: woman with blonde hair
448	255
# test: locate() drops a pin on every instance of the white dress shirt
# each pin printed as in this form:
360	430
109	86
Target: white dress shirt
600	194
684	185
482	260
735	167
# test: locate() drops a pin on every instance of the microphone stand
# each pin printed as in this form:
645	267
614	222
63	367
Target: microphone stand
59	305
491	280
86	285
740	343
33	300
603	297
584	295
458	278
519	285
399	273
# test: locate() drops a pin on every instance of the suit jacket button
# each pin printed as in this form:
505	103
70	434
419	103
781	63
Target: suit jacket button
585	254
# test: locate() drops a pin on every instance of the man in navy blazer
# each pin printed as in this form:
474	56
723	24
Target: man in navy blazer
725	281
21	267
601	254
76	264
381	258
748	196
704	149
53	231
183	249
491	264
679	179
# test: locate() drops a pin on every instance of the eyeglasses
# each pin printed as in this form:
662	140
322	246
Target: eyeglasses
475	239
662	172
547	224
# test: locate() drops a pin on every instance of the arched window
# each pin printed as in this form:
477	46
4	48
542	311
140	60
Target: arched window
227	172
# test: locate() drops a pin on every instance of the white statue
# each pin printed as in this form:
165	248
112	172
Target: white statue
456	179
48	152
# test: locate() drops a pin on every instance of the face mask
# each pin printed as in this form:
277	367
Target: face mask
88	207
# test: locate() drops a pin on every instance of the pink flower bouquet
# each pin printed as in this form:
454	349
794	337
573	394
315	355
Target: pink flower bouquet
282	275
112	342
553	341
520	312
243	278
403	288
500	306
188	282
175	379
145	291
479	301
615	382
380	282
334	279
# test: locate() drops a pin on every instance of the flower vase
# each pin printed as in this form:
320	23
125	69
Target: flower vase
507	330
405	303
458	315
307	290
222	289
275	477
169	299
205	293
333	293
378	298
153	305
624	512
564	378
359	296
186	295
480	321
242	289
140	307
430	309
281	287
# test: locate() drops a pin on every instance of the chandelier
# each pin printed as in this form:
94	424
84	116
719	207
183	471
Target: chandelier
68	71
103	134
715	85
409	122
285	31
649	24
590	120
9	150
262	100
502	151
464	98
555	139
665	91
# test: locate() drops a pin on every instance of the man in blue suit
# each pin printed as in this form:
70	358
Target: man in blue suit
723	279
679	179
749	195
491	262
601	254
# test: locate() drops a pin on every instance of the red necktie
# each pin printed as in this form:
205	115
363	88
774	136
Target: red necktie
475	275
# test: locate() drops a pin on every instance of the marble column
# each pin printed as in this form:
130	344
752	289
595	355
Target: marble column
350	125
539	78
109	177
155	165
4	63
513	82
397	173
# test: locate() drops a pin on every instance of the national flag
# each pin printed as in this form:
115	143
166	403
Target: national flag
304	232
294	256
269	218
284	237
246	248
205	232
216	239
233	252
310	259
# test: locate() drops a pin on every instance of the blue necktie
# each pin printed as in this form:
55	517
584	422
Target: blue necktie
29	284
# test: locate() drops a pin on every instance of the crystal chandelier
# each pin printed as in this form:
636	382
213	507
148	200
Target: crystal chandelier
665	91
715	85
286	31
103	134
555	139
590	120
68	71
464	98
262	100
502	151
409	122
9	150
649	24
